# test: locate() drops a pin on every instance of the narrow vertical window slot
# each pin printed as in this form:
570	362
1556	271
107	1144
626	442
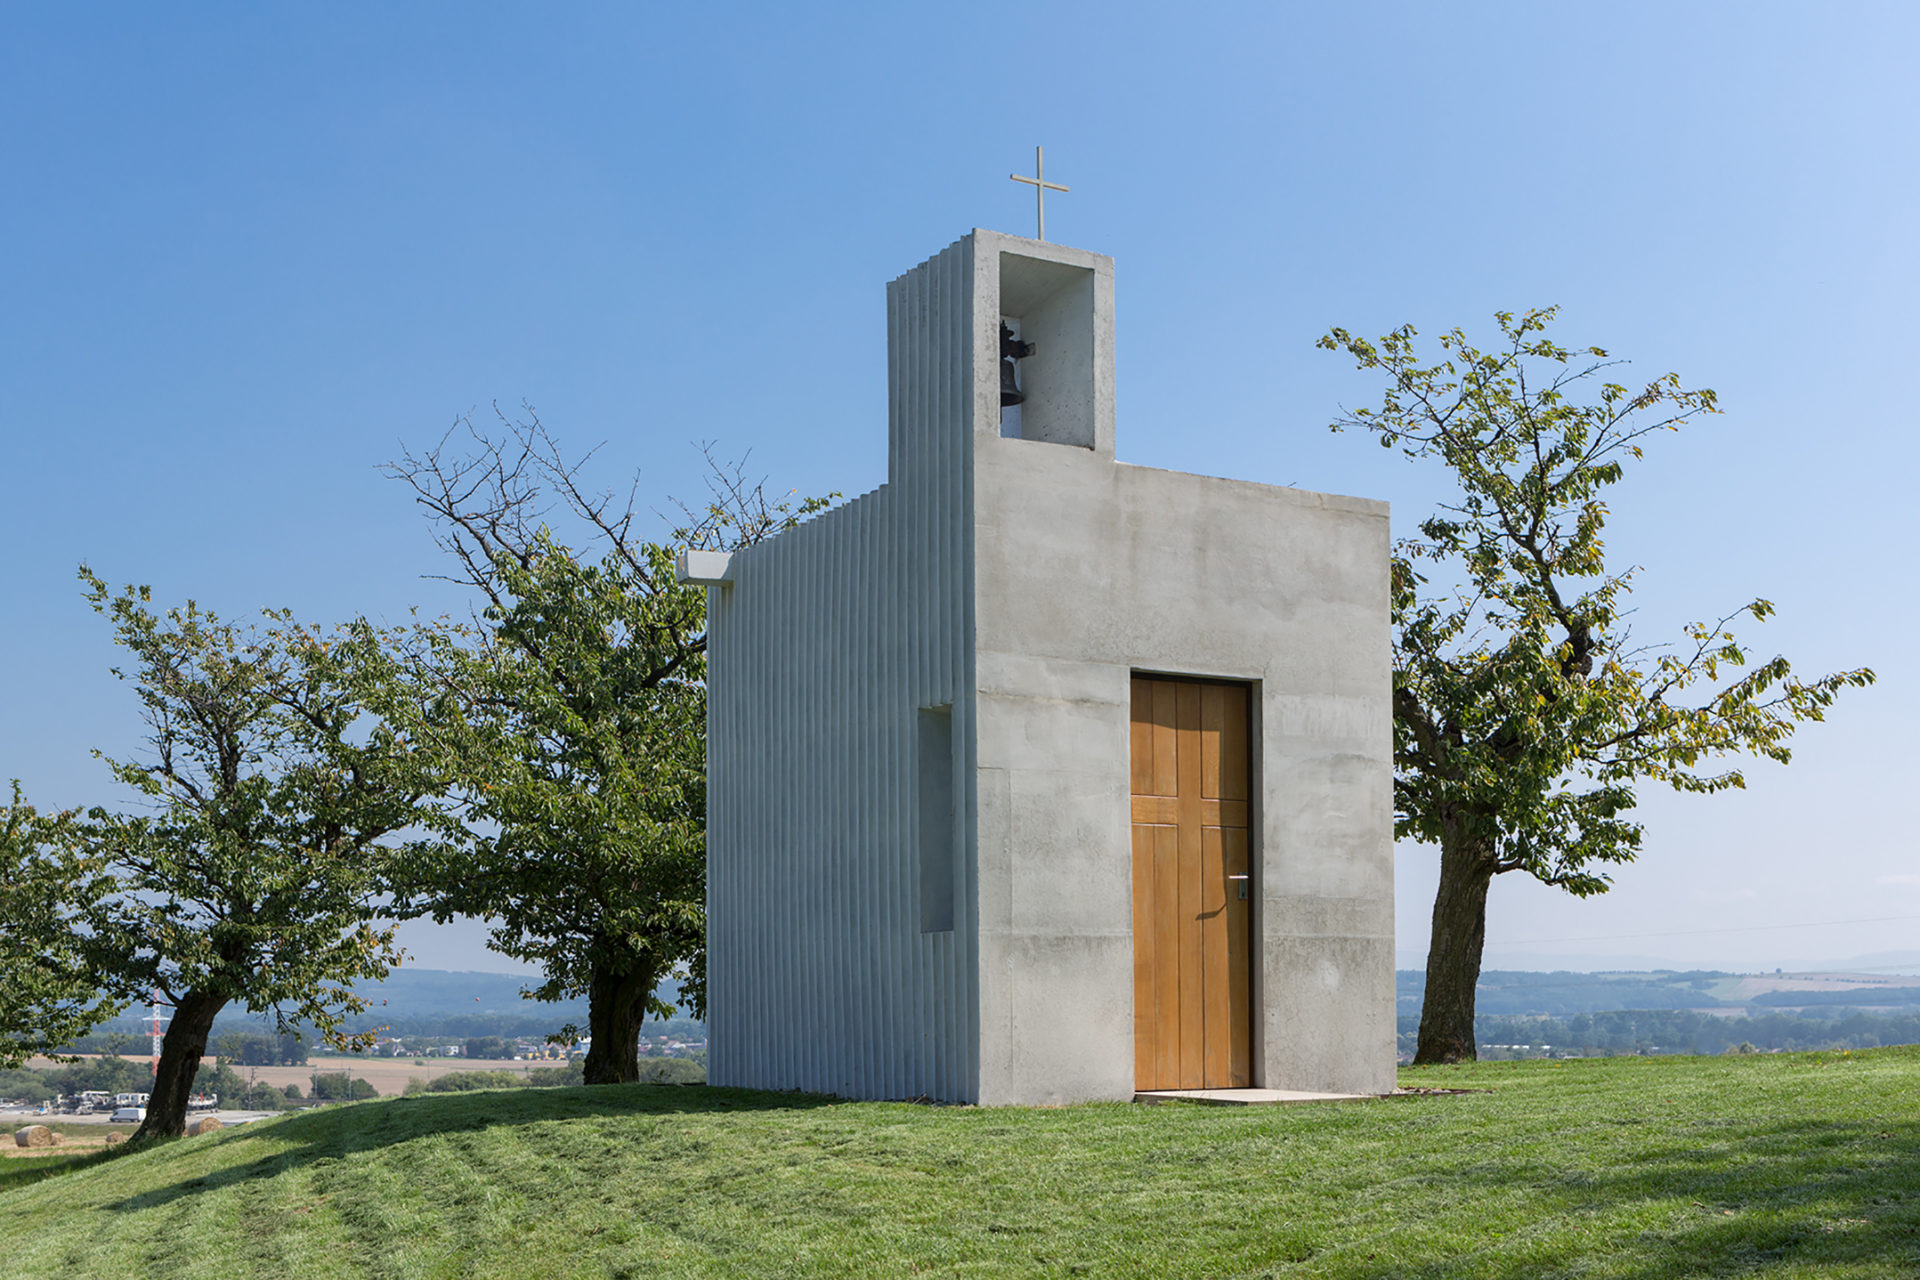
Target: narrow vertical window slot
934	789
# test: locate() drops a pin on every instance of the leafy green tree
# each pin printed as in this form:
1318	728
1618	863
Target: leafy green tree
1524	712
673	1071
338	1086
254	876
49	992
571	714
21	1085
285	1050
572	1073
111	1074
488	1047
467	1081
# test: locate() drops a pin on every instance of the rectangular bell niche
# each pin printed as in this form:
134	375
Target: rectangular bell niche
1051	305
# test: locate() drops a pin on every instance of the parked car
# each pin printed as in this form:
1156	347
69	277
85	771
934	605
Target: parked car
130	1115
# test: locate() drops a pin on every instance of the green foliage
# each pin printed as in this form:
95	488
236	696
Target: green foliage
569	718
574	722
673	1070
487	1047
575	726
254	877
110	1074
1525	713
285	1050
49	992
237	1092
25	1086
572	1073
253	872
467	1081
1523	709
338	1086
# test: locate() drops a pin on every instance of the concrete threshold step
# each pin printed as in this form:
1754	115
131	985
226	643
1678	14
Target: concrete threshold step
1245	1097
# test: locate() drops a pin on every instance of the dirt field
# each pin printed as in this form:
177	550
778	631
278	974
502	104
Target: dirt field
388	1075
75	1136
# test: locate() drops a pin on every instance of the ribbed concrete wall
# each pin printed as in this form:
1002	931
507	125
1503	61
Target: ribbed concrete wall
1014	586
824	648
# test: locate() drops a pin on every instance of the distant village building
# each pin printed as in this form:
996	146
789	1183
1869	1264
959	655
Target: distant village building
1036	777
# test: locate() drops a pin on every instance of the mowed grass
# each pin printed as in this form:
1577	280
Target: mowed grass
1789	1165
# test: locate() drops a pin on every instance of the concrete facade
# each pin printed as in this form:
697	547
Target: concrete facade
919	841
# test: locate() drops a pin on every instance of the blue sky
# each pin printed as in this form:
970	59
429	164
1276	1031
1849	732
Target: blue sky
245	256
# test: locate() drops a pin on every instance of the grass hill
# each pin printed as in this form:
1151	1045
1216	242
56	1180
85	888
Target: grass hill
1785	1165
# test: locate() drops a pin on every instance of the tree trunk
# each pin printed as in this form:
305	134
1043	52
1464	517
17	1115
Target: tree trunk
616	1006
1453	953
180	1053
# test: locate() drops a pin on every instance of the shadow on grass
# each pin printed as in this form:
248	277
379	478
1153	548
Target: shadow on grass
21	1171
1799	1192
333	1133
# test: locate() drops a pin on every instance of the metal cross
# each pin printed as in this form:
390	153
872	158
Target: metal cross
1040	188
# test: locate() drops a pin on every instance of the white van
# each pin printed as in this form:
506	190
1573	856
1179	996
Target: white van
130	1115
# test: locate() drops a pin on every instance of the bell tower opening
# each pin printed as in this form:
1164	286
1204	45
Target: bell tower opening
1047	351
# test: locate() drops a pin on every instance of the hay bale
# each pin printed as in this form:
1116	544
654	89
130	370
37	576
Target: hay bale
34	1135
205	1124
115	1139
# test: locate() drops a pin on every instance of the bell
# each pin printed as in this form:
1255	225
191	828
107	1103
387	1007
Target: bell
1010	392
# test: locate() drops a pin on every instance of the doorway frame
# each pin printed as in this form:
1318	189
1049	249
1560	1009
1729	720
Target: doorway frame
1256	855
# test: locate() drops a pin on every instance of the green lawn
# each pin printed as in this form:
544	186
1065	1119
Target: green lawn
1789	1165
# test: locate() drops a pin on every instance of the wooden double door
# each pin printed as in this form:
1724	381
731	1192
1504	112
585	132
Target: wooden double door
1192	967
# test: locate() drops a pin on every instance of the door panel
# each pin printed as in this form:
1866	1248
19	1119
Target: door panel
1192	966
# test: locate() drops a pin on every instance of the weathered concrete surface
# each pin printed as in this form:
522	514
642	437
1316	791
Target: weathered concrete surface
1158	571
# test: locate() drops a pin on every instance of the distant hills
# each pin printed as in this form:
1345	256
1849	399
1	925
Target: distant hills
469	1003
1520	992
410	994
438	1002
1905	962
433	995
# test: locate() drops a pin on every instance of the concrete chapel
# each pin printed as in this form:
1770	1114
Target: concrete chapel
1037	777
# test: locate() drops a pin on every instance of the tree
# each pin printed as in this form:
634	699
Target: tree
338	1086
1524	711
49	996
263	1051
487	1047
255	877
571	713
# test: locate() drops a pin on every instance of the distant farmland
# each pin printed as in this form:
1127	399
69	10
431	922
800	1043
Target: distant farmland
388	1075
